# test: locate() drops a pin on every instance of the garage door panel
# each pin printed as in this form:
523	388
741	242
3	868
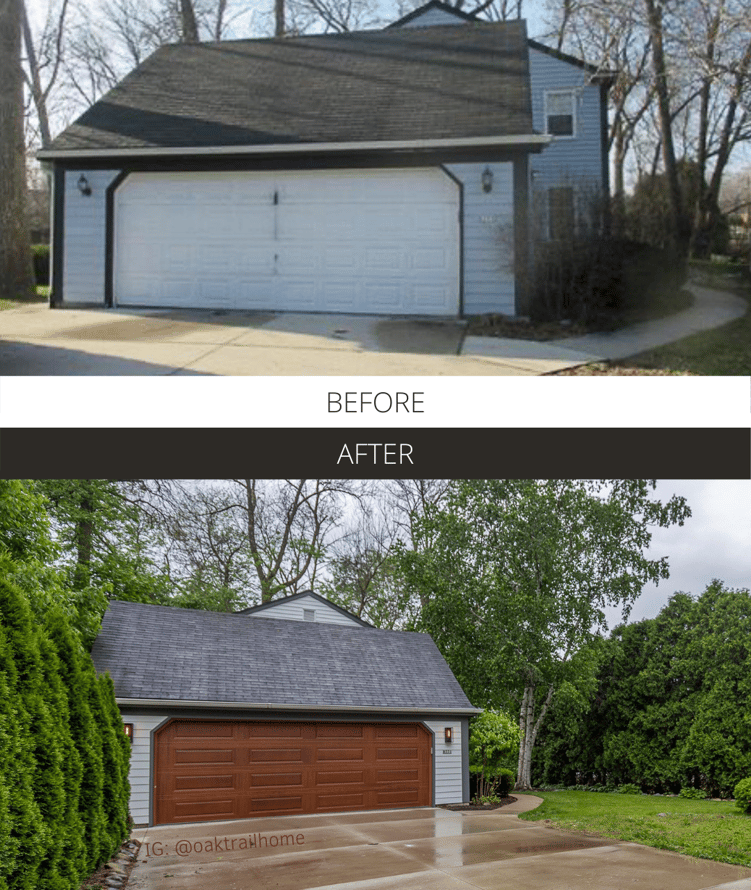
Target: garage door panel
324	772
203	783
282	755
262	805
286	240
261	780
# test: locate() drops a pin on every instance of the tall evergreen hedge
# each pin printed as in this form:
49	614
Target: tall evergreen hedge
63	754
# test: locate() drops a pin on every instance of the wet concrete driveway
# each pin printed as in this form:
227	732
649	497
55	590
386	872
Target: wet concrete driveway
411	849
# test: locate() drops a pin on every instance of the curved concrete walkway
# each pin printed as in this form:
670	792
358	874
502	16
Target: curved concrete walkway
712	308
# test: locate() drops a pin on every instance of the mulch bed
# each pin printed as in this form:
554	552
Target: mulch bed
477	807
521	329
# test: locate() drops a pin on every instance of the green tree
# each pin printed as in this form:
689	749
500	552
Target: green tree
518	577
104	547
23	836
46	733
77	671
671	702
493	742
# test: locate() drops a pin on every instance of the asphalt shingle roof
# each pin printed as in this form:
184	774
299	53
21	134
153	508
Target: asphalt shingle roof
161	652
441	82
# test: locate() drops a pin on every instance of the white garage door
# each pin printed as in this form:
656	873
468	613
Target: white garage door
384	241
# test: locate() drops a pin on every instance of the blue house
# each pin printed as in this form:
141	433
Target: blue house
399	171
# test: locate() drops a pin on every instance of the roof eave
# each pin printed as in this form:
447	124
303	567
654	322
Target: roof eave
530	141
271	706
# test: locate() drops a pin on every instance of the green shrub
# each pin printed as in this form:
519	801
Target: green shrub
693	793
40	254
493	741
742	795
505	782
629	788
594	281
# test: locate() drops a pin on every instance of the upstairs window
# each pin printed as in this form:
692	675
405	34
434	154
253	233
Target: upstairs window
560	113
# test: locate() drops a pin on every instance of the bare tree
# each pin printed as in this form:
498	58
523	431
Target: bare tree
49	57
15	252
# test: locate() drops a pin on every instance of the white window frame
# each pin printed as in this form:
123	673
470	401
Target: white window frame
574	123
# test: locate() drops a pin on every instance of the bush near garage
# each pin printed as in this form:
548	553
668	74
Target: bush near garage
600	283
40	255
55	825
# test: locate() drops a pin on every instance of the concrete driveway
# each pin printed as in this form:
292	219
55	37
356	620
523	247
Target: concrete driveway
35	340
419	849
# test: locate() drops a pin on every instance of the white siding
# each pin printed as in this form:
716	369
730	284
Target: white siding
567	162
447	766
488	238
85	237
293	611
140	764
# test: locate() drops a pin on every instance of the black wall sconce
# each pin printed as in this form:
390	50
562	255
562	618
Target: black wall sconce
128	730
487	179
83	185
448	734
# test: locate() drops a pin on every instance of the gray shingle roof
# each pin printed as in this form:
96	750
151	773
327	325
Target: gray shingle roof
442	82
166	653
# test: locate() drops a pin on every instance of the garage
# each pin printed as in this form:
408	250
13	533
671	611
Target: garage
357	241
217	770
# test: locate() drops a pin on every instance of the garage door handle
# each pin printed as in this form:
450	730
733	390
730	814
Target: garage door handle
276	197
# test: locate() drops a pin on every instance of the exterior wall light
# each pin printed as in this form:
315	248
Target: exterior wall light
83	185
487	180
128	730
448	734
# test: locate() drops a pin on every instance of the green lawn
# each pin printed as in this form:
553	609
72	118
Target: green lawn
707	829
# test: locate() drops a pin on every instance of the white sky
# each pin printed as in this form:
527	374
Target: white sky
714	543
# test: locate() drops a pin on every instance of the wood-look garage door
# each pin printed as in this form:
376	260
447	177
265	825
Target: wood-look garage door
208	770
356	241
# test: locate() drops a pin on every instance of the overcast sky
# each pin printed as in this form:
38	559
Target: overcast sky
715	542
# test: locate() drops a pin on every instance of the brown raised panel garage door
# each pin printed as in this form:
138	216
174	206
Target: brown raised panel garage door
213	770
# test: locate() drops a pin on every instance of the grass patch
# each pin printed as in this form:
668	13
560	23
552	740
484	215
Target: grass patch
722	351
41	295
705	829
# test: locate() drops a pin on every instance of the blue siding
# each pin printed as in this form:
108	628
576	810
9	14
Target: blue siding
433	17
575	162
488	239
85	237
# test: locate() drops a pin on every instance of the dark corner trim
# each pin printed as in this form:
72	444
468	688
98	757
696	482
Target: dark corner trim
460	184
465	759
109	236
58	236
521	234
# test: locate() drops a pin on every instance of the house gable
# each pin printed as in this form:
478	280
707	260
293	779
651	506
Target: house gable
305	606
432	13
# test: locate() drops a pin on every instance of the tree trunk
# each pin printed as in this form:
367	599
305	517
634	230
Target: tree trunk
15	249
529	729
618	217
188	22
279	18
679	235
84	541
40	102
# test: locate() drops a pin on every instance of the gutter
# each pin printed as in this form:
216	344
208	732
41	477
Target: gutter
266	706
534	142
